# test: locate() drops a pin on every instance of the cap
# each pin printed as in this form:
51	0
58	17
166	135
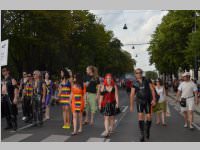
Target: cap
185	74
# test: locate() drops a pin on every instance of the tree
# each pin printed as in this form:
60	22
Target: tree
50	40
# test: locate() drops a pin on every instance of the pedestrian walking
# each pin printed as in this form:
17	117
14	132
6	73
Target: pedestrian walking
187	96
49	90
9	96
78	102
28	94
144	94
38	99
64	97
21	94
109	103
160	107
92	83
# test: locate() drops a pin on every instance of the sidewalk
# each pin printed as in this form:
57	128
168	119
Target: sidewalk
172	97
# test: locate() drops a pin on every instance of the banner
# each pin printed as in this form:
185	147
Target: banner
4	53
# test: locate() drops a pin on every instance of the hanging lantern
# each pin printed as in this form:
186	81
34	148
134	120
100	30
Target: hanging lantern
125	27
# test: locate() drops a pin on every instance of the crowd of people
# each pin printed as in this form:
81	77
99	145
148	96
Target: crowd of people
83	97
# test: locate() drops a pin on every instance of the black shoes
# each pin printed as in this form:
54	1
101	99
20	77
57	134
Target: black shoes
8	128
142	139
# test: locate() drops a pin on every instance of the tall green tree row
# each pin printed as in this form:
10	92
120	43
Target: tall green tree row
174	45
49	40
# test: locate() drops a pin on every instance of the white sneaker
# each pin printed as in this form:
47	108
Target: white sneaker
24	118
191	127
185	126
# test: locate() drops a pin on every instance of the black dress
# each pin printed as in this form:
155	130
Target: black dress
108	105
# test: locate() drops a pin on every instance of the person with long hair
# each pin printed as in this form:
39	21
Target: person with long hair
108	103
49	89
38	99
78	98
161	105
92	84
64	97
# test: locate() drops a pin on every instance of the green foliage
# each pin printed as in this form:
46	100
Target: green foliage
151	75
49	40
173	43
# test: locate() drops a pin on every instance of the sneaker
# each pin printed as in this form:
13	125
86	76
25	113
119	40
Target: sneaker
185	126
191	127
24	118
8	127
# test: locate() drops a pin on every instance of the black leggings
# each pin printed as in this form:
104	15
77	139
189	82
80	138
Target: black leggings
141	107
37	109
9	111
28	106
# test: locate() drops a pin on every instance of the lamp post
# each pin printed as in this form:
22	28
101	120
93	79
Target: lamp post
196	66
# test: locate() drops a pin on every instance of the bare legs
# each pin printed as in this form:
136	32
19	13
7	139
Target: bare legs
75	122
66	115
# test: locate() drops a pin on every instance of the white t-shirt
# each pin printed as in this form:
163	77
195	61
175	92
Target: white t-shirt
187	89
160	91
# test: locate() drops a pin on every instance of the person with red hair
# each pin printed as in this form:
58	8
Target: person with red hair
108	103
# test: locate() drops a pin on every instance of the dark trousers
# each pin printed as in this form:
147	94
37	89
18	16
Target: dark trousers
9	111
37	109
28	106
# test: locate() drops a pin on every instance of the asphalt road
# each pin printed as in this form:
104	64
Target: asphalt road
126	128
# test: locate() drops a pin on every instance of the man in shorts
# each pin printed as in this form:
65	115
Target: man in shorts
187	90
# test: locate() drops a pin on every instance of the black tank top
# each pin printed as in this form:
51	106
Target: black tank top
10	87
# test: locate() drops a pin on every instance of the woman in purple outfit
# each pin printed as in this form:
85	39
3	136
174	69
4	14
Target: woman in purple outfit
49	89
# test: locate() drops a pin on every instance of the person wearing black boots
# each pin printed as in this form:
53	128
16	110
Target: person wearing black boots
144	94
9	96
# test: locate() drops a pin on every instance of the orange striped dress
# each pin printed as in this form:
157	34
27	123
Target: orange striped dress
78	103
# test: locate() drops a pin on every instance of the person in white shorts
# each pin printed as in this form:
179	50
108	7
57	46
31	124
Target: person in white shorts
188	90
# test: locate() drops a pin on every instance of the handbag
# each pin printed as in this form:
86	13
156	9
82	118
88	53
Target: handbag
183	102
117	110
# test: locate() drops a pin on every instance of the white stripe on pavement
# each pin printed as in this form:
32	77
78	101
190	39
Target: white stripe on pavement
16	138
56	138
107	140
94	139
125	108
196	126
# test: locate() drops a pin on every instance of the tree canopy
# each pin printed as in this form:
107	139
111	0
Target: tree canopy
174	45
49	40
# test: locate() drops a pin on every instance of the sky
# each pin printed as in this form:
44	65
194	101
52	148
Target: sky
141	25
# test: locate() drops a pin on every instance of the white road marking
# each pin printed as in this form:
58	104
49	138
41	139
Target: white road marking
56	138
196	126
16	138
123	115
24	127
125	108
107	140
94	139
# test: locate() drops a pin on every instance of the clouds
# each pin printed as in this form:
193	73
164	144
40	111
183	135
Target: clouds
141	24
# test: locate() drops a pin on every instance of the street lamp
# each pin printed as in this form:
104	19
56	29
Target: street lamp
125	27
196	68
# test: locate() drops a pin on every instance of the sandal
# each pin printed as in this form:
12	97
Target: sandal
157	123
85	123
73	133
80	131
